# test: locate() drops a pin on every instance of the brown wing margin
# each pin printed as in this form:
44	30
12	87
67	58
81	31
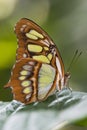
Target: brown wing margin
29	69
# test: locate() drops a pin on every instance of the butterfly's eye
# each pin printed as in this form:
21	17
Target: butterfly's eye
66	78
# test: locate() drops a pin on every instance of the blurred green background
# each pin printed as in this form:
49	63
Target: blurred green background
66	23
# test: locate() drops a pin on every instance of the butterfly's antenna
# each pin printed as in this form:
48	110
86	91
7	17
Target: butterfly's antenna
74	59
78	57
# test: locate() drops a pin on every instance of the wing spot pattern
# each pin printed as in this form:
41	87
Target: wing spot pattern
26	83
22	77
24	55
24	72
22	28
27	90
34	48
34	35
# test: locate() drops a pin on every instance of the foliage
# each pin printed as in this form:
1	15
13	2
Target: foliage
68	108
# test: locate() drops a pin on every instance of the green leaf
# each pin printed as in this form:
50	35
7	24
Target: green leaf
52	114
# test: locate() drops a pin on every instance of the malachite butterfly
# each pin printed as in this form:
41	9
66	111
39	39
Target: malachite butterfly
39	69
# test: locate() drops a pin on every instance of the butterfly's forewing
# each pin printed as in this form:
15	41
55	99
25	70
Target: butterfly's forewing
35	43
29	33
47	75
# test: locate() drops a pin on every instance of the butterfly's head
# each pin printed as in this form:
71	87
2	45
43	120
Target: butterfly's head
66	78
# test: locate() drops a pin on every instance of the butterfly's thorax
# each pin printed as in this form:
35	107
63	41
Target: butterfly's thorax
39	68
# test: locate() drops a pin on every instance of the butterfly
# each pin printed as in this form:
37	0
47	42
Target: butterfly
39	69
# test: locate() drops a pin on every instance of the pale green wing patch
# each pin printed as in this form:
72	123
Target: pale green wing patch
45	80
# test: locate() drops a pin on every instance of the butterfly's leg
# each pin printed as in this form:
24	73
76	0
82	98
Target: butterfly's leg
56	94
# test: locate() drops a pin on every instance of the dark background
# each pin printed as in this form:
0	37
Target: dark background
66	23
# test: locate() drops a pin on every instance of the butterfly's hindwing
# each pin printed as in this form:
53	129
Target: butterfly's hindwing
31	80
